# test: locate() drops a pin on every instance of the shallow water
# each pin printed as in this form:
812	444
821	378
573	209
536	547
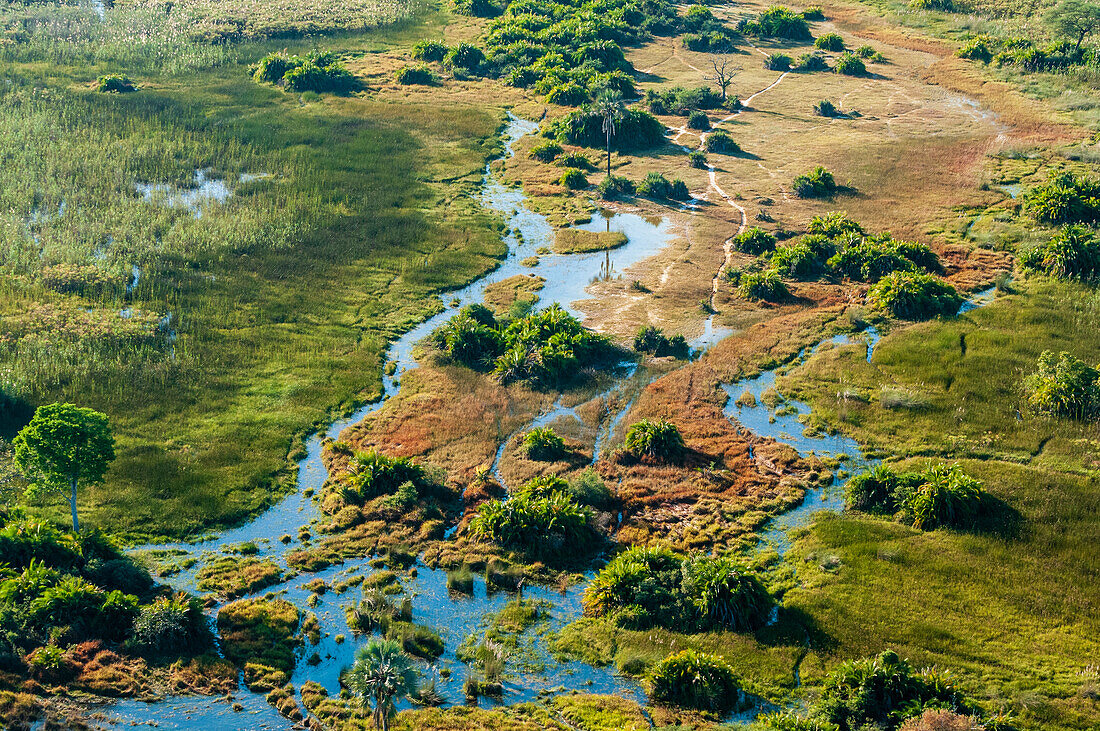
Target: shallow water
205	190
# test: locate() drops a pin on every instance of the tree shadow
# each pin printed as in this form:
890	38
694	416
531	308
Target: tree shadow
998	518
794	627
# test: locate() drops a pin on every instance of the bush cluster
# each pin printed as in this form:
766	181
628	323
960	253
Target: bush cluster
656	441
644	587
915	296
1064	199
942	496
420	74
830	42
778	22
704	33
1025	54
428	50
657	186
547	346
1064	385
636	130
818	183
720	142
317	71
681	101
755	241
695	680
850	64
541	518
777	62
543	443
1072	253
372	473
652	340
115	84
573	179
615	186
812	62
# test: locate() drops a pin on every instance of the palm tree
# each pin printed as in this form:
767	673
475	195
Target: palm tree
381	673
609	105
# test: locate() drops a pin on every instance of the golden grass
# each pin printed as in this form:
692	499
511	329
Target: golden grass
576	241
500	296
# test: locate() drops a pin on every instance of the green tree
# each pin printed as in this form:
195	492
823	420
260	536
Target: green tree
381	673
609	104
1074	18
63	447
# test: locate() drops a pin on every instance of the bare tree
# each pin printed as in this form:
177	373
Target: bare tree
724	71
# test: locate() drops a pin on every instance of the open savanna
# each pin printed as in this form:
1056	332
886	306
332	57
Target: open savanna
278	301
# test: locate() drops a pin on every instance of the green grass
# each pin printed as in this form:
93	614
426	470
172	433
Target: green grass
283	298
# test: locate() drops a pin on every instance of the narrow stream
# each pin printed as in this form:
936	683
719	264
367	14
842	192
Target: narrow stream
534	674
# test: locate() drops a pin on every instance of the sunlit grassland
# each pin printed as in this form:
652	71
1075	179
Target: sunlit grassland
282	297
954	387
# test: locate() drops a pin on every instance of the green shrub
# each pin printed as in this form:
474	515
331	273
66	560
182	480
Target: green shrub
476	8
826	108
725	594
273	67
542	443
1064	199
640	588
465	57
544	524
171	626
575	160
867	52
698	120
89	610
947	497
373	473
778	22
1072	253
695	680
914	296
615	186
588	488
416	639
659	441
1064	386
850	64
798	260
115	84
883	692
697	159
573	179
681	101
814	12
834	224
978	48
415	75
568	94
461	580
636	130
430	50
812	62
657	186
946	6
406	496
312	77
545	151
818	183
650	339
766	285
879	490
777	62
868	259
754	241
830	42
720	142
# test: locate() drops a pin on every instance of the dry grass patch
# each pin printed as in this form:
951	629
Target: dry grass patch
576	241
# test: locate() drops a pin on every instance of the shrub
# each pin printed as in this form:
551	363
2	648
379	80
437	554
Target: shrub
545	151
725	594
615	186
946	497
946	6
637	130
115	84
573	179
879	490
698	120
719	141
976	49
659	441
798	260
883	691
415	75
814	12
430	50
465	57
568	94
850	64
588	488
777	62
1064	199
575	160
913	296
416	639
476	8
171	625
1072	253
866	52
313	77
697	159
812	62
373	473
650	339
778	22
541	524
681	101
868	259
543	444
766	285
754	241
640	588
818	183
692	679
1064	386
89	610
830	42
656	186
826	108
834	224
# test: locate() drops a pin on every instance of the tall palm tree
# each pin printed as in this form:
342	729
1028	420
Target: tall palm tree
381	673
609	105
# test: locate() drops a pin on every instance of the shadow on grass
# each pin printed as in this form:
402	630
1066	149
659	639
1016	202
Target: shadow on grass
793	626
